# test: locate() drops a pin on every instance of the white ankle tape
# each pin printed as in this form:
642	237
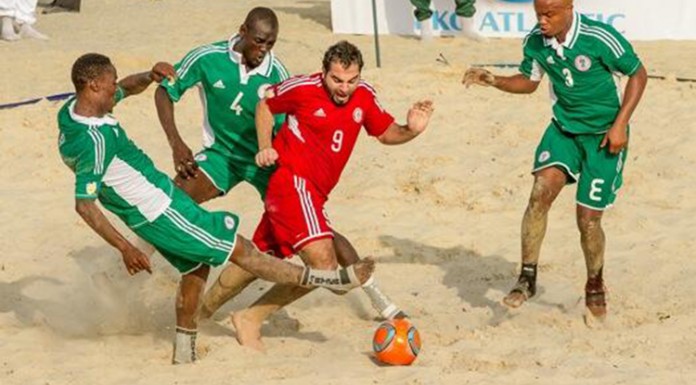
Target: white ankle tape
339	279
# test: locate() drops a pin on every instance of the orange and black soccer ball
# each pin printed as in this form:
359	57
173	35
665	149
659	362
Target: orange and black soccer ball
396	342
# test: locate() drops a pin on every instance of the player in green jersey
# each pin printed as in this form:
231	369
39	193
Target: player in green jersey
111	168
586	141
232	77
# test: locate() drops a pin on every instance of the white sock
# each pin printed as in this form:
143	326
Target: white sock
184	346
469	30
426	32
342	279
380	302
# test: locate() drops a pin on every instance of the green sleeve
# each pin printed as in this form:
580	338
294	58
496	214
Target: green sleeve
189	72
616	52
96	150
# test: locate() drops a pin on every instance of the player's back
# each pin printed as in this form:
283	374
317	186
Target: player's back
108	166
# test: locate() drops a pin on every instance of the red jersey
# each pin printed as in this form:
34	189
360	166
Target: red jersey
318	136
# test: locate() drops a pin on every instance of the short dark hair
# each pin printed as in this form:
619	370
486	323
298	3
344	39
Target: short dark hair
344	53
261	14
89	67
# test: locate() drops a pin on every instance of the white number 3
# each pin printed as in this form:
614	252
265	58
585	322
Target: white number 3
568	77
337	141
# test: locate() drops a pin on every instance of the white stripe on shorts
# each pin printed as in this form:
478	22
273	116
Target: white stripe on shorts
310	214
196	232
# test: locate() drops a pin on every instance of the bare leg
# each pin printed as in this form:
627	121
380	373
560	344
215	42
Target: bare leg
593	243
248	322
231	281
187	300
548	183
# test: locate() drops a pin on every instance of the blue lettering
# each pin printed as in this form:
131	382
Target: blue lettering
506	20
454	22
521	23
489	22
440	22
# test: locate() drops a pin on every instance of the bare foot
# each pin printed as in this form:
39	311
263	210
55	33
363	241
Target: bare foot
515	299
364	269
248	331
595	297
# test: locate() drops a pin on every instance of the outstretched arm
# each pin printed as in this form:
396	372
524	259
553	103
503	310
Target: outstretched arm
516	84
137	83
133	258
416	122
617	137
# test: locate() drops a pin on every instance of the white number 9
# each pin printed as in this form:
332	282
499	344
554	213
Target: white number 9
337	141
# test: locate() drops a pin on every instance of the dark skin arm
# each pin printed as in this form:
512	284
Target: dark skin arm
617	137
515	84
184	163
137	83
133	258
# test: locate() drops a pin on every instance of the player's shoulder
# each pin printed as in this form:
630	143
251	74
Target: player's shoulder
279	68
602	34
534	39
304	83
205	51
366	90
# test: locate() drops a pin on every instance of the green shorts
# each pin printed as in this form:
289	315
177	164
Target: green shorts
597	172
226	171
189	236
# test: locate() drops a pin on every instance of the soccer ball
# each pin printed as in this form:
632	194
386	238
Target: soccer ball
396	342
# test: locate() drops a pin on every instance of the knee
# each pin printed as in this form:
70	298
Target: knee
324	262
589	224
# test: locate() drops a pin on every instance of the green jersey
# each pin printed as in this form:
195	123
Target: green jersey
583	71
108	166
229	94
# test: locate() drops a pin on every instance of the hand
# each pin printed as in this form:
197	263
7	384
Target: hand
162	70
480	76
184	163
617	139
135	260
419	115
266	157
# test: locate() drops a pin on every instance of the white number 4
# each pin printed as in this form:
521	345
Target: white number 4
236	107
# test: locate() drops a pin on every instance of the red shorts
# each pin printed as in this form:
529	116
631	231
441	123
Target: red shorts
294	215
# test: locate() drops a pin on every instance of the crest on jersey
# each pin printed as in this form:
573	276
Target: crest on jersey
91	188
544	156
583	63
265	91
200	158
358	115
230	223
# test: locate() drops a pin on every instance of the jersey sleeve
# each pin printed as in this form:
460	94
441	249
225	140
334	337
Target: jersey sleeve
189	71
377	119
282	98
616	52
97	150
530	67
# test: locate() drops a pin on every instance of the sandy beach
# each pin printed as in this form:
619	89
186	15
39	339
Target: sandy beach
441	215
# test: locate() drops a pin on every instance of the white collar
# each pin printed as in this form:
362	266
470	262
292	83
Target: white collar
570	39
263	69
92	120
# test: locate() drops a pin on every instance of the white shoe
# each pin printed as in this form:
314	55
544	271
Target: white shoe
8	33
27	30
426	30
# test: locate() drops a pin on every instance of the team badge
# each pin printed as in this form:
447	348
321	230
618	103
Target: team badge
583	63
230	223
264	91
544	156
200	158
358	115
91	188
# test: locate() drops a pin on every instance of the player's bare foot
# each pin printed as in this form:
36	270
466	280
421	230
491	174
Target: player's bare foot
595	297
515	299
248	331
364	269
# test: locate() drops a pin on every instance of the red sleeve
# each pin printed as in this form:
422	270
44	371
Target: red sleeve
377	120
281	98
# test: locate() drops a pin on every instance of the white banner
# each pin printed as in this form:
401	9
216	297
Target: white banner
638	20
